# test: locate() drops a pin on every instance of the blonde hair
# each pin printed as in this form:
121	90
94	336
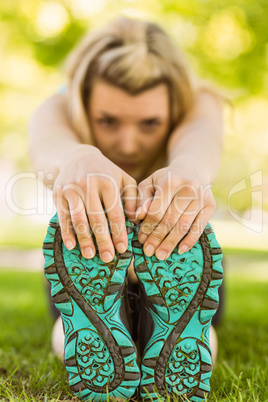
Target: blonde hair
133	55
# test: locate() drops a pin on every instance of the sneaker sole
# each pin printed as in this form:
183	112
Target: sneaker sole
181	294
100	356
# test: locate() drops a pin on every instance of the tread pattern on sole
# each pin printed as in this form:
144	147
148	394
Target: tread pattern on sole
100	356
181	294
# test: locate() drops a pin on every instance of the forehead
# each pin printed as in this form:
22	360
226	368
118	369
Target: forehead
109	98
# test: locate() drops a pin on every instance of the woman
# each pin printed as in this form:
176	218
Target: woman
133	147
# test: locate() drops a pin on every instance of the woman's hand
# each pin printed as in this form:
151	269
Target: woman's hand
87	184
172	208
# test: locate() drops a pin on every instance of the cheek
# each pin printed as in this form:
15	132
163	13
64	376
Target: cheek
151	145
101	139
156	141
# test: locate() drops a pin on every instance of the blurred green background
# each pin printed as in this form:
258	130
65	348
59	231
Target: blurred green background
226	43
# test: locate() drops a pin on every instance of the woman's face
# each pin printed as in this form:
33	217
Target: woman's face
129	130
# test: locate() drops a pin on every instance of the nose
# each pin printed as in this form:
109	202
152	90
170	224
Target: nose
129	141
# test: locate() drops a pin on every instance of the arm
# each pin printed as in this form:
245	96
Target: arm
51	137
184	186
196	145
82	178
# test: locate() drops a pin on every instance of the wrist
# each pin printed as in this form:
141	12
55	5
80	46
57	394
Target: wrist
78	152
192	169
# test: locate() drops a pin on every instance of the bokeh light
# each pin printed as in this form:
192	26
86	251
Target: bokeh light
51	19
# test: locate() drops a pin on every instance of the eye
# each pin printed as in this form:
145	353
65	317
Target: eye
150	124
106	121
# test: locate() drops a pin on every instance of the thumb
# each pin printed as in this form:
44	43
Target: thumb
129	197
145	197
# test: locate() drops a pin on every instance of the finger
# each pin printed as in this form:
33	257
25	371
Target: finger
81	225
145	197
129	197
179	199
65	222
117	222
162	199
167	223
150	223
196	230
180	229
100	228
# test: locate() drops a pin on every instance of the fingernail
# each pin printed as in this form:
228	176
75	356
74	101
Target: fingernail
106	256
162	255
88	252
137	212
149	250
142	238
121	248
69	245
182	249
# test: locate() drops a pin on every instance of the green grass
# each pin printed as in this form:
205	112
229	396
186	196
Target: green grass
241	373
29	371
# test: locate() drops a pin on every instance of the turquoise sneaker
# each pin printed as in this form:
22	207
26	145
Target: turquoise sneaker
180	295
100	356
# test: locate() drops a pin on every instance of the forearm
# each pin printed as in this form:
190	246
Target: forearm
51	137
195	146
